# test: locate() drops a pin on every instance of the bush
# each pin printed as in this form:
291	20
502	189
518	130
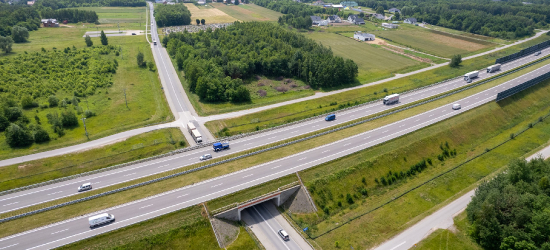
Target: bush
17	136
349	199
69	119
40	135
19	34
13	113
456	60
4	123
53	101
88	114
27	102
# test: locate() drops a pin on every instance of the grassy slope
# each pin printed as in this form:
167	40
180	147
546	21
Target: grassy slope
374	62
146	101
133	148
446	239
248	12
344	176
301	110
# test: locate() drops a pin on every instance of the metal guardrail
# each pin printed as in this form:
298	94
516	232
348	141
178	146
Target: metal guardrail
514	90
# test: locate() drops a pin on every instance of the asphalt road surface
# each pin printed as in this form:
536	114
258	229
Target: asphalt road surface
442	218
77	228
51	192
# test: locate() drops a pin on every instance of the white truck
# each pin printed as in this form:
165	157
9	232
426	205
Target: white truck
471	75
493	68
194	132
394	98
100	219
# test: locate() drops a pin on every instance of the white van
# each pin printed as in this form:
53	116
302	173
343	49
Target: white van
84	187
100	219
283	235
456	106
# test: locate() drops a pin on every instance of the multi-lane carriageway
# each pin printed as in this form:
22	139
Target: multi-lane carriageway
63	189
126	214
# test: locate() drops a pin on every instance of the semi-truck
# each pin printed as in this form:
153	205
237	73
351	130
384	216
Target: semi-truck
100	219
493	68
218	146
471	75
394	98
194	132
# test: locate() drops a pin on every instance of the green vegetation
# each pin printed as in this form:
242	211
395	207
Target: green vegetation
57	4
119	15
248	12
172	15
510	211
297	14
134	148
305	109
17	15
455	238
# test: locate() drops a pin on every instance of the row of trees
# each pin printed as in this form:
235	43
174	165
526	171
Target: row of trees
297	14
511	211
214	62
172	15
58	4
71	15
507	20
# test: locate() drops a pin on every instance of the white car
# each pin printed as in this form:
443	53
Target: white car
284	235
456	106
205	157
84	187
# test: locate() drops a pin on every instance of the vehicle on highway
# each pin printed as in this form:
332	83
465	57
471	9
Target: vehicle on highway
194	132
154	42
493	68
283	235
456	106
100	219
218	146
394	98
84	187
205	157
471	75
538	53
330	117
133	34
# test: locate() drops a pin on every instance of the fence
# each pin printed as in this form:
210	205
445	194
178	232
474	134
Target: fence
523	52
516	89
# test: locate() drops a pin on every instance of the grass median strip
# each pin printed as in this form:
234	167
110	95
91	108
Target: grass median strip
45	218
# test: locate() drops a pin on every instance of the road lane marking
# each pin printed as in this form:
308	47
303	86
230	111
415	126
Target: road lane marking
11	203
60	231
129	174
398	245
325	151
10	246
272	137
277	235
182	195
247	175
385	131
290	132
347	144
146	206
216	185
56	192
302	159
275	167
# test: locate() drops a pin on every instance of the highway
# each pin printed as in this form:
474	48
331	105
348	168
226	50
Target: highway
442	218
77	228
59	190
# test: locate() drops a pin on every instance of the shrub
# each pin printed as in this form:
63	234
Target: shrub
53	101
17	136
69	119
40	135
349	199
27	102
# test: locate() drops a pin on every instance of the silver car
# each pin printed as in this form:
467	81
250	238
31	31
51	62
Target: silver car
205	157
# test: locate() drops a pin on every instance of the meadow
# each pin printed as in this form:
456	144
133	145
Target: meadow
210	15
113	15
248	12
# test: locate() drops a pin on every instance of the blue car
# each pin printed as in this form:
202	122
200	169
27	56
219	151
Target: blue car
330	117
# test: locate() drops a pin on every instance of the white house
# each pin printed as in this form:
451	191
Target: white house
394	10
379	16
355	19
390	25
315	20
322	23
334	19
410	20
361	36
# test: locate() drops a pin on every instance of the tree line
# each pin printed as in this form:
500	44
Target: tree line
511	211
58	4
297	14
215	62
71	15
172	15
508	20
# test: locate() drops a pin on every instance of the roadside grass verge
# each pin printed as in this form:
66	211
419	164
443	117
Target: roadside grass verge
60	214
298	111
463	133
455	238
134	148
146	101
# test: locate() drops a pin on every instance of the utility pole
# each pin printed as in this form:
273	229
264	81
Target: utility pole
84	122
125	98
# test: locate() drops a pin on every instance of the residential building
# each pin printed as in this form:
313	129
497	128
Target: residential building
30	3
319	3
201	2
410	20
334	19
339	6
390	25
49	23
349	4
363	36
323	23
355	19
315	20
394	10
379	16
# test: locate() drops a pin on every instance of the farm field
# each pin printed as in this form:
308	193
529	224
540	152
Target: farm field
210	15
248	12
433	42
374	62
113	15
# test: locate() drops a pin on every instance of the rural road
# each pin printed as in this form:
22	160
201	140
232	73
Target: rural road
64	189
442	218
75	229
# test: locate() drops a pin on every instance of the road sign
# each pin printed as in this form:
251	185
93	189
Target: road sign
305	229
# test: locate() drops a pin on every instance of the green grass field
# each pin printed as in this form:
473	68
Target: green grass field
305	109
433	42
455	238
118	14
248	12
374	63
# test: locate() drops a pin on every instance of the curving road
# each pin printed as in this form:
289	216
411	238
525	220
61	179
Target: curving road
51	192
77	228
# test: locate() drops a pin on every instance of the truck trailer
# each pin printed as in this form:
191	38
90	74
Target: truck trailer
493	68
394	98
100	219
194	132
218	146
471	75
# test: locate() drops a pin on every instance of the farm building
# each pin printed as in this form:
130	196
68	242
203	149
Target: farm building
349	4
50	23
355	19
339	6
394	10
201	2
363	36
334	19
390	25
315	20
410	20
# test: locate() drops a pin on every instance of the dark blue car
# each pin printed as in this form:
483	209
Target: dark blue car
330	117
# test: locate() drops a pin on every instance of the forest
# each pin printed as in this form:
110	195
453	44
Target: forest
215	62
50	79
71	15
512	210
297	14
58	4
172	15
508	20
